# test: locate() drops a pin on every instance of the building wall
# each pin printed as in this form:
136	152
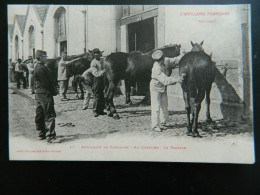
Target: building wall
32	20
75	26
222	37
99	28
17	32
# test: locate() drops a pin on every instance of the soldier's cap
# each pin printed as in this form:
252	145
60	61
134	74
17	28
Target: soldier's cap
64	52
30	57
41	53
158	54
96	51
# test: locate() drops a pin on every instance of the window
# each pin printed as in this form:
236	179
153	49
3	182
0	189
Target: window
31	41
60	24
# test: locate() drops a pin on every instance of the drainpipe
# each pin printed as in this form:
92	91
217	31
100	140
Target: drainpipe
22	49
116	14
85	30
42	39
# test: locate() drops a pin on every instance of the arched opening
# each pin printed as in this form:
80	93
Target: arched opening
16	47
60	30
32	41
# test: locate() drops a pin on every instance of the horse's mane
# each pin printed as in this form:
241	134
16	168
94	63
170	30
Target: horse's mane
136	52
161	48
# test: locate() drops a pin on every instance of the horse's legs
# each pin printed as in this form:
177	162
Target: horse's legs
147	99
197	105
111	92
106	91
75	86
81	90
208	89
188	109
127	92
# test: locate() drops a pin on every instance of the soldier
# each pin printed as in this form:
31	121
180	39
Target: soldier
98	84
87	79
44	92
19	72
159	99
63	77
30	67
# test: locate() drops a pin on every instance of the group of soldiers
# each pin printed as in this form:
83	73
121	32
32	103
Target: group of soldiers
41	83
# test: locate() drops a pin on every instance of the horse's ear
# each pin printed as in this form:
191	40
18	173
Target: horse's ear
179	45
192	44
101	51
89	51
210	55
201	43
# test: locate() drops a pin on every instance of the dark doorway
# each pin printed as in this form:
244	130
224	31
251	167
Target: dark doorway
141	35
63	46
141	38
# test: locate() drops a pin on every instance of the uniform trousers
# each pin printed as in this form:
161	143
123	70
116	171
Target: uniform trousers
98	92
87	95
19	77
31	83
63	88
159	107
45	115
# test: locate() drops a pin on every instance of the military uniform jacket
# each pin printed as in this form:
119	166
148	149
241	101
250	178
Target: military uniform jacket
43	80
159	79
96	68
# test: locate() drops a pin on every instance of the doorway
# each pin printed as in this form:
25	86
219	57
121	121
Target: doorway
63	46
141	37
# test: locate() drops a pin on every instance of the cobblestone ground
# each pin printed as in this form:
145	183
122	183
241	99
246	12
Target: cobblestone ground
73	124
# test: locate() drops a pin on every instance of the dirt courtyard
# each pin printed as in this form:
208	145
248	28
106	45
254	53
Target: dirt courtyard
75	126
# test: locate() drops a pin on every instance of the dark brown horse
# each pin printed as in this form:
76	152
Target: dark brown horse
134	66
198	73
74	69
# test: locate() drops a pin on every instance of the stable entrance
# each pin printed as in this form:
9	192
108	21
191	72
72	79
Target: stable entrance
141	37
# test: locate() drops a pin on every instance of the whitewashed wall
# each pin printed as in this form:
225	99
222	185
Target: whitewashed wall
32	20
17	31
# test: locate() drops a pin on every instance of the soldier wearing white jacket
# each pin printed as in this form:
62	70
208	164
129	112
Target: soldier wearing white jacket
159	99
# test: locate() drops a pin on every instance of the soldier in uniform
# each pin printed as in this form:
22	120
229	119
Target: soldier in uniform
30	67
158	90
98	84
44	92
19	72
63	77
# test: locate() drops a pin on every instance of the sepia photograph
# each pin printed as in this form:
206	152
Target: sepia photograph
156	83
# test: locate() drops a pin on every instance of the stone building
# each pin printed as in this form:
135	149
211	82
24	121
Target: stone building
225	31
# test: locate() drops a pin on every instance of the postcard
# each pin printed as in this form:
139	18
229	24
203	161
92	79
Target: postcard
156	83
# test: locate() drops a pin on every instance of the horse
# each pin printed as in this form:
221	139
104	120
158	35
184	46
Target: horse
74	69
78	68
134	66
198	72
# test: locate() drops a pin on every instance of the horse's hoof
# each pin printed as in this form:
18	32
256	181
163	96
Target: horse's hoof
189	133
196	134
209	121
129	103
110	114
116	117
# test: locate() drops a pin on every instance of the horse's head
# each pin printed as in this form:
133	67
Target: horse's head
197	46
171	51
92	55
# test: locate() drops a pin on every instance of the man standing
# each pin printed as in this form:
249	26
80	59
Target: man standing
44	92
30	67
63	76
98	84
19	72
